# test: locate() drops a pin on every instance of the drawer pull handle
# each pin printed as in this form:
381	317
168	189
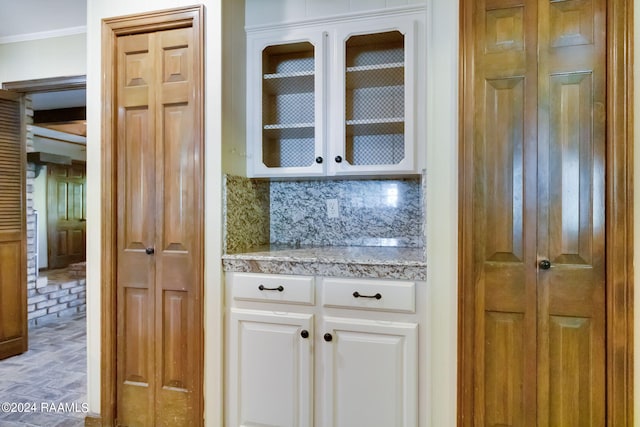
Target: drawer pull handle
263	288
357	294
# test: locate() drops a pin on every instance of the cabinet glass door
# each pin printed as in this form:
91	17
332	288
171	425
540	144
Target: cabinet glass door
375	102
375	97
289	103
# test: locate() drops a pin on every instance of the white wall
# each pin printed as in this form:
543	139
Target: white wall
36	59
442	206
96	11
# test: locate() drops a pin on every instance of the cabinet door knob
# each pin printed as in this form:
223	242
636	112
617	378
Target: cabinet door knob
304	333
338	159
328	337
318	159
545	264
149	251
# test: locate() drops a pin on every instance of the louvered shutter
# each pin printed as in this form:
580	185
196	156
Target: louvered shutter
13	286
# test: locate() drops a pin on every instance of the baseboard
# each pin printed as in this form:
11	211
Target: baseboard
93	421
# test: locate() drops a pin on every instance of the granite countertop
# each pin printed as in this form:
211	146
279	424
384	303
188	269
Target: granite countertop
341	261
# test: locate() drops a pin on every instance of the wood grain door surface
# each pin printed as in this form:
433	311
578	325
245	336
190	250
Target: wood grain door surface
159	231
538	195
13	232
66	214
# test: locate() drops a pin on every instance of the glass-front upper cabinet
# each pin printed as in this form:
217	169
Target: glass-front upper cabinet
376	89
285	105
337	97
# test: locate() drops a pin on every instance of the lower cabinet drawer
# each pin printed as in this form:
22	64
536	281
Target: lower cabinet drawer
381	295
272	288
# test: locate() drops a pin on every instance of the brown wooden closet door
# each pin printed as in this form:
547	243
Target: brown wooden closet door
66	212
537	191
159	342
571	214
13	252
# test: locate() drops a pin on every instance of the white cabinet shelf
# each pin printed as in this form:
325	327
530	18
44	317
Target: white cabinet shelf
336	97
289	131
392	125
285	83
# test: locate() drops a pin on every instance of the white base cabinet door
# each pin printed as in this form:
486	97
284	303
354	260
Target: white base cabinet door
271	369
370	373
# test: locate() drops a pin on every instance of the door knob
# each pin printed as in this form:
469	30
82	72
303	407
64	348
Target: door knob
318	159
545	264
338	159
304	333
149	251
328	337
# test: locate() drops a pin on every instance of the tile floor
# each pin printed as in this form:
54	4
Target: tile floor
50	377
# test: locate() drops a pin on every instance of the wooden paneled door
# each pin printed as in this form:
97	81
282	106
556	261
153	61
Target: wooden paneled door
158	204
13	231
533	269
66	214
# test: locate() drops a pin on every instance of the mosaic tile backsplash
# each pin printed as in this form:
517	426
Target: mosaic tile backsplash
370	213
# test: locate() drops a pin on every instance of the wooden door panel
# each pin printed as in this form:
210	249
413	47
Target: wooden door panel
178	173
136	351
139	187
571	377
11	314
504	244
137	337
509	177
502	157
176	332
560	49
177	226
571	168
13	249
66	212
571	191
136	232
504	369
160	197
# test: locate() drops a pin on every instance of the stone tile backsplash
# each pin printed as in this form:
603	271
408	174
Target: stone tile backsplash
370	213
246	213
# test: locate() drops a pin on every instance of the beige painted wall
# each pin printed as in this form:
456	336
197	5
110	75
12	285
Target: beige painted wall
36	59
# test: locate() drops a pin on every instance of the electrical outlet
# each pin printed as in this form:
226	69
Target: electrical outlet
332	208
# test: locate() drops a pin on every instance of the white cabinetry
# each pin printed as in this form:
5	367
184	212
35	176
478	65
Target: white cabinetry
271	369
305	351
370	373
337	96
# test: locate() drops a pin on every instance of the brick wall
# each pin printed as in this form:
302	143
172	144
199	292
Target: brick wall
56	298
60	295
